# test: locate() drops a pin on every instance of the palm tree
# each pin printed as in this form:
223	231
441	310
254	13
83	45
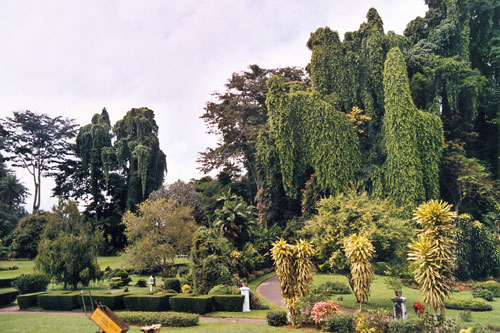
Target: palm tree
235	220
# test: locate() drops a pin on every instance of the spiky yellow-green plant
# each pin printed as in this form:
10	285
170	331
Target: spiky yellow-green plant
293	267
359	250
432	253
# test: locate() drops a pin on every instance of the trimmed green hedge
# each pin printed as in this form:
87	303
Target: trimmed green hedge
192	304
26	301
6	283
114	301
63	301
147	302
7	296
170	319
232	303
276	318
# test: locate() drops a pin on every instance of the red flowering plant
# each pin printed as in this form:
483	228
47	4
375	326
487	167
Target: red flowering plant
322	310
418	308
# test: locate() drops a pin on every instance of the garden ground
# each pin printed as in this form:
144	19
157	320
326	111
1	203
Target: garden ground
380	298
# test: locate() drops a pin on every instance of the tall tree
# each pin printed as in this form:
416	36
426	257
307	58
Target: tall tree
139	155
413	140
237	115
93	176
37	143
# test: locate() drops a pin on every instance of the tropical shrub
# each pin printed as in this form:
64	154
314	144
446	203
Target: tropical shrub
322	310
31	283
293	267
360	251
432	253
276	318
404	326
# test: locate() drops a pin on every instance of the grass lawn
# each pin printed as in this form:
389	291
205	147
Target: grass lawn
37	323
381	295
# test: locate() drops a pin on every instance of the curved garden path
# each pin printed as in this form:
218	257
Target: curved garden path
270	291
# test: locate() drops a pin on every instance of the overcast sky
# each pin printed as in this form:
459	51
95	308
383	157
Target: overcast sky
72	58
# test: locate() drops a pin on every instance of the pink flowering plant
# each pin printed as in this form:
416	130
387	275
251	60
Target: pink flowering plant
322	310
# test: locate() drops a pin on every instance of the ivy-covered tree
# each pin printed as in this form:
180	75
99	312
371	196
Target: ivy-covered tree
413	140
139	155
37	143
310	136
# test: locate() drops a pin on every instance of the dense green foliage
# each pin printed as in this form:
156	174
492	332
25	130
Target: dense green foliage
478	250
62	301
68	249
31	283
233	303
210	256
7	296
26	236
341	323
114	301
28	300
357	212
156	234
309	134
413	140
276	318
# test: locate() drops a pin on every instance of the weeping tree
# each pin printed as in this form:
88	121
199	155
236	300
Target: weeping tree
293	267
310	136
413	140
138	153
432	253
359	250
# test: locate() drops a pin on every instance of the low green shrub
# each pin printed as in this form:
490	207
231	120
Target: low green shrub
233	303
191	304
114	301
9	268
26	301
336	288
467	303
6	283
492	286
341	323
62	301
169	319
158	302
222	289
276	318
483	293
405	326
31	283
7	296
174	284
141	283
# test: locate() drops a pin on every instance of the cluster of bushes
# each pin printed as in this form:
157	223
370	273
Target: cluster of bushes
31	283
9	268
379	321
67	300
467	303
486	290
117	278
169	319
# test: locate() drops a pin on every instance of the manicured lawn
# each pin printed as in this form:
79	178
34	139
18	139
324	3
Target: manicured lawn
37	323
381	295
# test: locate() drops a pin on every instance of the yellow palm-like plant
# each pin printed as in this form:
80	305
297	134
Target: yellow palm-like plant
432	253
293	266
359	250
